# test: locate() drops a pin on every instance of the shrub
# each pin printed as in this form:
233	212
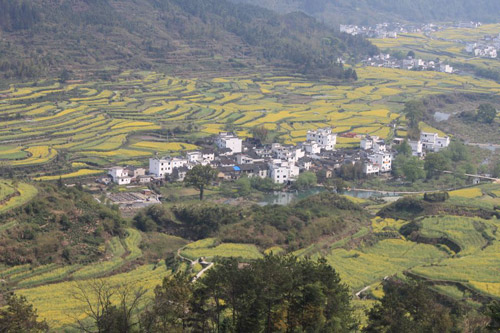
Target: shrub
436	197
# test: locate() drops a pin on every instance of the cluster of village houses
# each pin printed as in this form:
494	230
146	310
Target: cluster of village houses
390	30
486	48
235	157
394	29
410	63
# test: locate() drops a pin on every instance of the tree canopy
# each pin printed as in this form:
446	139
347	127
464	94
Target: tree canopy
410	307
19	316
276	293
486	113
199	177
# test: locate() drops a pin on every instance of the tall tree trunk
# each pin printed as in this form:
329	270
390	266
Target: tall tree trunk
202	188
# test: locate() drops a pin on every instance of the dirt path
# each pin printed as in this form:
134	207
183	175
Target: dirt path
207	264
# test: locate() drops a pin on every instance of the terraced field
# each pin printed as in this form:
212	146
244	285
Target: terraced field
447	44
126	121
13	195
50	287
208	248
360	263
474	266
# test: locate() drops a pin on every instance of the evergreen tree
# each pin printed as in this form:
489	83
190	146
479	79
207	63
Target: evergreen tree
19	316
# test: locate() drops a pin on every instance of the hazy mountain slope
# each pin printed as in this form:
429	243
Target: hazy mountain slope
186	36
334	12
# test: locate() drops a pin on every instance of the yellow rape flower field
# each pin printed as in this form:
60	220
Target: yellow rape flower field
79	173
102	125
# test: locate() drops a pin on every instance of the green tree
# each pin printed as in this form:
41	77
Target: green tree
199	177
496	170
435	163
19	316
170	309
494	314
272	294
457	152
261	133
409	307
65	76
305	181
278	293
244	186
486	113
404	148
413	169
414	112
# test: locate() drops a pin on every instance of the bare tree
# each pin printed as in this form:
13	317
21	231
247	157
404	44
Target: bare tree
108	307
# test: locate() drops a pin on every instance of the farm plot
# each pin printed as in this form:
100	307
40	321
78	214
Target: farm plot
470	234
209	249
15	195
365	266
100	119
56	302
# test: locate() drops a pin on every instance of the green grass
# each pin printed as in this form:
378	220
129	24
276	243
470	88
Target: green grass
364	266
6	189
25	192
479	267
102	268
245	251
464	231
11	153
132	242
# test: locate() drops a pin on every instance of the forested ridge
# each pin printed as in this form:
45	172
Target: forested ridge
334	12
45	36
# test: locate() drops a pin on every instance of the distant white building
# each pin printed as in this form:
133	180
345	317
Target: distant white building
392	34
416	147
371	169
383	160
323	137
194	157
282	172
288	153
230	141
311	148
159	167
366	143
373	142
433	142
135	172
200	157
120	175
445	68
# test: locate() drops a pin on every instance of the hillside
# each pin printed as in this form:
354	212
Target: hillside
334	12
40	37
55	225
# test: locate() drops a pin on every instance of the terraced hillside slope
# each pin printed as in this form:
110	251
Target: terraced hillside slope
453	245
76	129
335	12
41	37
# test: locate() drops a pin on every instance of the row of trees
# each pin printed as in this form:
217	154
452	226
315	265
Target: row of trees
273	294
17	15
293	226
485	113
